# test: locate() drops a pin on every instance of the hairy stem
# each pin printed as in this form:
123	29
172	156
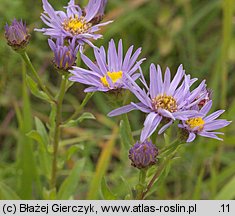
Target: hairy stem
142	183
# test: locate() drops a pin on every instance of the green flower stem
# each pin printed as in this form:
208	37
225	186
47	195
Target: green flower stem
159	171
79	109
56	138
174	145
27	60
142	183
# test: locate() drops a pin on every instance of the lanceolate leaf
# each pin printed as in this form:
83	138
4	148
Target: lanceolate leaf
107	194
84	116
68	187
228	191
6	193
33	86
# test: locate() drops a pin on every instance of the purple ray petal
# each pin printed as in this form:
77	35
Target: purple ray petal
150	125
210	135
206	108
176	80
214	115
141	107
191	137
167	80
153	81
163	128
216	124
122	110
166	113
120	53
91	65
127	58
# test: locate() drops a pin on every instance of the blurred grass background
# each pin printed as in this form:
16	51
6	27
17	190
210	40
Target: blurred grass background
200	34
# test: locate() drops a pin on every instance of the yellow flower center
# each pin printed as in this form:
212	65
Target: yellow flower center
195	122
114	76
76	25
165	102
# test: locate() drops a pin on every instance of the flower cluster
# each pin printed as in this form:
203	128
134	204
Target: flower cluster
71	29
166	100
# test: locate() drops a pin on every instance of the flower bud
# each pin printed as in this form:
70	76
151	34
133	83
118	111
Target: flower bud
17	35
64	56
143	154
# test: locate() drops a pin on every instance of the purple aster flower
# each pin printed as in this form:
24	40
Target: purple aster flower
64	56
110	70
72	24
17	35
143	154
204	125
164	99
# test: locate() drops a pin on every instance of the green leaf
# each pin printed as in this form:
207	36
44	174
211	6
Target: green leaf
28	182
36	136
167	139
102	166
84	116
33	86
128	189
70	184
42	131
198	186
72	150
107	194
124	136
228	191
6	193
49	194
40	135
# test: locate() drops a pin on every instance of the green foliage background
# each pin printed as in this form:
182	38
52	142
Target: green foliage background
200	34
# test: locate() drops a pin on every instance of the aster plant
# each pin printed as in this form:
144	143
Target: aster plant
75	22
164	100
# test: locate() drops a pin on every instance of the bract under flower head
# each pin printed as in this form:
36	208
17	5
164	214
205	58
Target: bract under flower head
17	35
204	125
164	99
72	23
64	56
110	70
143	154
